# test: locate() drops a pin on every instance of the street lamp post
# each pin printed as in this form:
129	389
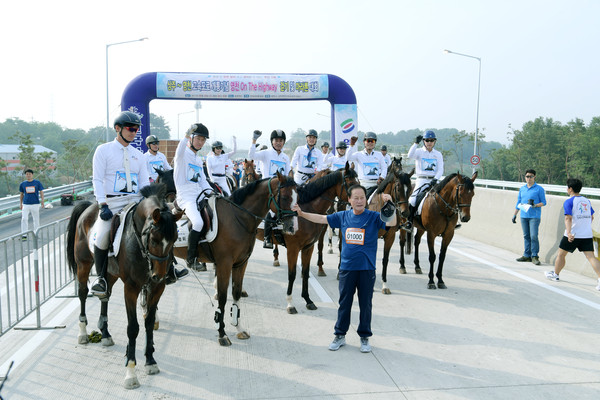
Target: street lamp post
107	109
475	152
187	112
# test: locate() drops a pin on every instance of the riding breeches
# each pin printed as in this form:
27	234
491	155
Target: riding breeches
191	210
420	185
222	182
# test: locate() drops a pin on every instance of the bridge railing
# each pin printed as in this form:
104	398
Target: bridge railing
32	270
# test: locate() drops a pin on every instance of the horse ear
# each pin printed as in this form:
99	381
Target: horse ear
347	167
412	172
156	215
474	176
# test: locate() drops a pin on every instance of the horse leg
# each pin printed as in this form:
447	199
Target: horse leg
402	242
446	239
133	328
340	256
305	259
237	279
82	277
321	272
418	236
276	256
329	240
431	245
223	276
107	339
149	323
292	258
387	245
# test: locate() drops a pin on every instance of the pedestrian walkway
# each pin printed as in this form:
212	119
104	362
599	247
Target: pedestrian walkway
501	330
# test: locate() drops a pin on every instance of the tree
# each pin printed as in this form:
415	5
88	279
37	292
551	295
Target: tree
159	127
41	162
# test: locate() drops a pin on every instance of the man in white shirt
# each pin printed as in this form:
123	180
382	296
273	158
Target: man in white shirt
216	164
119	172
307	160
190	183
369	164
272	160
429	168
155	160
339	160
327	156
386	156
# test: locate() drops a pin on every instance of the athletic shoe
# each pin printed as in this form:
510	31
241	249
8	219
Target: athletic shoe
365	347
338	341
523	259
535	260
552	276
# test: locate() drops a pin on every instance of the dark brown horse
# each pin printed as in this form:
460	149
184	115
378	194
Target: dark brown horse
239	216
442	207
398	185
315	197
250	174
142	262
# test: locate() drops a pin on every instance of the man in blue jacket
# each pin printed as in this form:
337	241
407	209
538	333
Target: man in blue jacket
530	201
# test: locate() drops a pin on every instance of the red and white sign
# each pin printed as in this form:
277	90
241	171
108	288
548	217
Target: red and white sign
475	159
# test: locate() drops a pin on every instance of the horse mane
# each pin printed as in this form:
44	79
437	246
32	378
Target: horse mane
466	181
314	189
155	189
402	176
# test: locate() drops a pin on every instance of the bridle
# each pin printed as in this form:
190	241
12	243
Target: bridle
143	239
453	209
275	198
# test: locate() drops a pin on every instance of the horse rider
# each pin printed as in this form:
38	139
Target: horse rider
339	160
429	168
386	156
191	185
216	163
272	160
370	165
306	159
327	156
155	160
119	172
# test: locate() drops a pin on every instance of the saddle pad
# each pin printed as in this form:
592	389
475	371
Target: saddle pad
422	202
117	241
183	226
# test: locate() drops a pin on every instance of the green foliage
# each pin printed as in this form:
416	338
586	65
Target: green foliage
159	127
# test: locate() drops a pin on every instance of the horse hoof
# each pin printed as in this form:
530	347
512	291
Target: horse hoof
386	291
321	272
108	341
244	293
292	310
442	285
152	369
330	251
243	335
156	324
311	306
276	263
431	286
418	271
131	383
403	270
83	339
224	341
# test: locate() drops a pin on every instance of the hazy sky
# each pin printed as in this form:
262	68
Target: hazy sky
539	58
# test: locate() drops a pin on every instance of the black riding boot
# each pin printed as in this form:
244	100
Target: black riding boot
99	288
174	274
409	221
268	231
193	239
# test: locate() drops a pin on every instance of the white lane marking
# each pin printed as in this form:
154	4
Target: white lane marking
318	289
530	280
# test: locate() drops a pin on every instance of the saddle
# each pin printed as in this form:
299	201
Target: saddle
425	190
207	209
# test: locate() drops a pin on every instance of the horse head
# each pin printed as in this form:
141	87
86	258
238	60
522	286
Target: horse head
283	196
166	177
465	193
349	179
401	190
250	174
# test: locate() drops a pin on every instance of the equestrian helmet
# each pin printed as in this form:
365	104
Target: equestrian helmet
429	135
341	145
278	134
312	132
217	144
198	130
387	211
325	144
384	148
152	139
370	135
127	118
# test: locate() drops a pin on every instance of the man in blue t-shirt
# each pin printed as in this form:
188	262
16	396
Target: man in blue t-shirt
31	192
579	215
359	228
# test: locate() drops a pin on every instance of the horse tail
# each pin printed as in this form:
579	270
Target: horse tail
71	230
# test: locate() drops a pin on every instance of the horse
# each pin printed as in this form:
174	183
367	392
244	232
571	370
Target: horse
315	197
238	219
149	232
250	175
398	185
442	207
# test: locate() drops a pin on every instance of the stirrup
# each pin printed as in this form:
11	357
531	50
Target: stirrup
267	244
100	287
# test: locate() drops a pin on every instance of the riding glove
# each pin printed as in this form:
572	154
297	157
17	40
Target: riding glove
256	134
105	213
418	139
514	219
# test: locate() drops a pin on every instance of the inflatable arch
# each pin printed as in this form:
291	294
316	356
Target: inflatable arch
254	87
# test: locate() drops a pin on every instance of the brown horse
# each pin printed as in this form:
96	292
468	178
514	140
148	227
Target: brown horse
250	174
238	219
398	185
315	197
442	207
142	262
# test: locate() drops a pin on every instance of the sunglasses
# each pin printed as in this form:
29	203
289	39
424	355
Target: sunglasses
370	140
429	140
529	176
134	128
218	148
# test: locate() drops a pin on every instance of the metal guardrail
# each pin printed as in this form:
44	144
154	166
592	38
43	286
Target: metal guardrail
553	189
12	203
31	272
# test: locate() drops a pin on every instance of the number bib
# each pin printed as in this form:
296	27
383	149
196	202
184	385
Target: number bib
355	236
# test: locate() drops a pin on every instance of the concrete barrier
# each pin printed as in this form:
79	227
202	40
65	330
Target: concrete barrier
491	213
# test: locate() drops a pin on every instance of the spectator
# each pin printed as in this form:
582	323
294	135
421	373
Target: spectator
579	215
32	191
530	201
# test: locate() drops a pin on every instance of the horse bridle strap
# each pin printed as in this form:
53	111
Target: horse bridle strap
145	234
454	210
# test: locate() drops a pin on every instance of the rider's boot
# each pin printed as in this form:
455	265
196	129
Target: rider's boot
192	253
268	231
174	274
100	287
409	221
